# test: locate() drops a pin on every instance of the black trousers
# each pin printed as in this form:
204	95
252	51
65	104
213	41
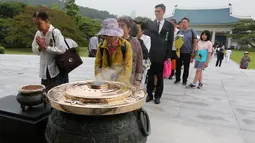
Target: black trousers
218	63
174	57
155	69
183	60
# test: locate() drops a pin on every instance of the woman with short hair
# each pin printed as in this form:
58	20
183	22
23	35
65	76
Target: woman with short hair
48	42
146	41
126	23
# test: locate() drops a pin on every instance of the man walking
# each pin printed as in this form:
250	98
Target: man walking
93	44
162	36
189	46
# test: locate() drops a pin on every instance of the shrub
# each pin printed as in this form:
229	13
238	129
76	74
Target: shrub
22	30
2	50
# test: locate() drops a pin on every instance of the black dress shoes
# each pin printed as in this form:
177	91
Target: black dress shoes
157	101
148	99
177	82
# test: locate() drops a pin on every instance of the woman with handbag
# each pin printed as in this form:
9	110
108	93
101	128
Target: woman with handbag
47	47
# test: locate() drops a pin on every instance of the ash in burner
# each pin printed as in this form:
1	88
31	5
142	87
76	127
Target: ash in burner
97	84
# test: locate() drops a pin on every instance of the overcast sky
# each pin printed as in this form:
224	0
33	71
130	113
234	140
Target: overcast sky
146	7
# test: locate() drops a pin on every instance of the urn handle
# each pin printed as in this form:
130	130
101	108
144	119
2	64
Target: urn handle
144	122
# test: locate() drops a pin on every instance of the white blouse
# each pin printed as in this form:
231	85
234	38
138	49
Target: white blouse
147	41
47	56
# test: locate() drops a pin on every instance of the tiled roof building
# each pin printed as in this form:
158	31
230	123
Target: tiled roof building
217	20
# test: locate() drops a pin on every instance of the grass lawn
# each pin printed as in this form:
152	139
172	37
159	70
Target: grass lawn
28	51
19	51
238	54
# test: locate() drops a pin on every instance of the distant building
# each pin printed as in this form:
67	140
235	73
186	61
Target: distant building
133	14
218	20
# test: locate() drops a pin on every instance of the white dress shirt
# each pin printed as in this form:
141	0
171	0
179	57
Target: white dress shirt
162	22
228	52
147	41
93	43
47	56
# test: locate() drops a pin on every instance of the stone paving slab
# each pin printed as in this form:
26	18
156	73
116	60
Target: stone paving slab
249	136
246	123
221	112
210	117
171	130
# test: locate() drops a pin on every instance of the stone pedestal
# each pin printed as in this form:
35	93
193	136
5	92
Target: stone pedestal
18	126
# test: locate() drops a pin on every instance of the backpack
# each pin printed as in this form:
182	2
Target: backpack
145	50
123	50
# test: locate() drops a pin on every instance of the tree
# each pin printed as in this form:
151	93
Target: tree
89	27
57	4
72	9
22	30
144	20
7	12
10	10
4	25
244	31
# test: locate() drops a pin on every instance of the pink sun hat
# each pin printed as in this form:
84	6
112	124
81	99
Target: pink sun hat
110	27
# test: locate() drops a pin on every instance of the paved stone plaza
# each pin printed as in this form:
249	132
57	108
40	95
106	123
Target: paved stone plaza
222	112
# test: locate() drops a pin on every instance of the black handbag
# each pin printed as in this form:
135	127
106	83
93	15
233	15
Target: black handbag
69	60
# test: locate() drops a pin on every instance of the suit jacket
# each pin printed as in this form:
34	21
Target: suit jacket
161	43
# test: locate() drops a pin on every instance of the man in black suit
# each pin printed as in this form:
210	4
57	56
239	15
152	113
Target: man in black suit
162	35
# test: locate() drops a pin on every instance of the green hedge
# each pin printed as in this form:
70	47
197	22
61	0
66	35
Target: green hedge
2	50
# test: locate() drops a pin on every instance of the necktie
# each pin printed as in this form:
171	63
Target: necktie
158	26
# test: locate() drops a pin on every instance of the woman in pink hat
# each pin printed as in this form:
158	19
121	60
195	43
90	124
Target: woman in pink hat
114	55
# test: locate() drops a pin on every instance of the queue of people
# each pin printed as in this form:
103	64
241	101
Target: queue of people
131	56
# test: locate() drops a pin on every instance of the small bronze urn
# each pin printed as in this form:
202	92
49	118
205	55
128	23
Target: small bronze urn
31	95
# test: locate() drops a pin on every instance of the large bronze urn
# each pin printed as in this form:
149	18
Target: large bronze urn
97	112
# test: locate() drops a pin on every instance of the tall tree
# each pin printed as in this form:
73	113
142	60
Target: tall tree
7	12
22	30
72	9
89	27
10	10
145	20
244	31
